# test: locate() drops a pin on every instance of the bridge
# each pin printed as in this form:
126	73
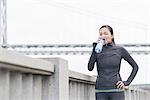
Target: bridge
25	78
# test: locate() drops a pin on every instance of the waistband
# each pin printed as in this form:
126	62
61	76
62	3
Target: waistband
110	90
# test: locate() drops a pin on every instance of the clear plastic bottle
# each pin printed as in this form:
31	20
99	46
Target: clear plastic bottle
99	45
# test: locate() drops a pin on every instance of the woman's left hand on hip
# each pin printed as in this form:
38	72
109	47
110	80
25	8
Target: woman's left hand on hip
120	85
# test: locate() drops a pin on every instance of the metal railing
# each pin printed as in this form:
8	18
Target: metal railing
71	49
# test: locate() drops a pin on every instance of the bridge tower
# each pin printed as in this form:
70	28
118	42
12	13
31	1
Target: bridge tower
3	22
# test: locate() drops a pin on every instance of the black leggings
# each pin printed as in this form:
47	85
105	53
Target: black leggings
110	96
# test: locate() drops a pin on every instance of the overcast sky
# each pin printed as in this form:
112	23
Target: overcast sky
76	21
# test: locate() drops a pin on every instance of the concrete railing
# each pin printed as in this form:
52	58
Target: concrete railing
81	87
134	93
24	78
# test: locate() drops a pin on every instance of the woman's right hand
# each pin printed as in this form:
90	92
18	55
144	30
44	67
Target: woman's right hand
97	39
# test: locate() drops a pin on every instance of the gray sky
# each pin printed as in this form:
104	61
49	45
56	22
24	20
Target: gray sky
76	21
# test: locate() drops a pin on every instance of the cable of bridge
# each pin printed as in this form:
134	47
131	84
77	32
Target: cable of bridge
92	14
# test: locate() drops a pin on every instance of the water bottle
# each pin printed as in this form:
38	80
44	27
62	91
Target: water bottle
99	45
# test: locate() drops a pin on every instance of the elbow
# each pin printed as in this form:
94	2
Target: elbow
137	68
90	68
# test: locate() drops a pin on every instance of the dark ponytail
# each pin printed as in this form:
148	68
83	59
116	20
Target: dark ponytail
111	31
113	41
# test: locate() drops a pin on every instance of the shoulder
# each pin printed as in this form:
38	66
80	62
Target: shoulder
123	49
120	48
123	52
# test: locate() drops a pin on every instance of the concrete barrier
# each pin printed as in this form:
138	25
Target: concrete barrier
25	78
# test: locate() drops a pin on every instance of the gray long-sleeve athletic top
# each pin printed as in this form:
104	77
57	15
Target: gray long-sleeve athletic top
108	66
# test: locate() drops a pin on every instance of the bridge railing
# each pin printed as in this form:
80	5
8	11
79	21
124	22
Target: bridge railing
71	49
25	78
134	93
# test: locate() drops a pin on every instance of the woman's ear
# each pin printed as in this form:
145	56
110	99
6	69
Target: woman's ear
112	37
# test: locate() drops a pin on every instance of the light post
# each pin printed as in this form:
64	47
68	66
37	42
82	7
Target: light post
3	23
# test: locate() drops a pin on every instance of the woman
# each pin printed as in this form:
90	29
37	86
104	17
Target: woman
109	85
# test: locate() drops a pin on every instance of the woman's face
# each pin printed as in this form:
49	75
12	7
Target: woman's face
105	33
